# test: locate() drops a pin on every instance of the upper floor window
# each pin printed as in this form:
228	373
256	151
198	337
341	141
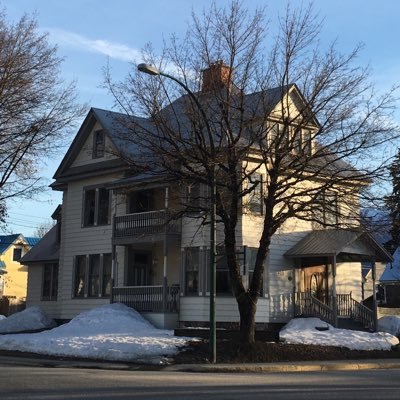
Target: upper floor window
17	254
256	197
141	201
96	207
326	209
98	144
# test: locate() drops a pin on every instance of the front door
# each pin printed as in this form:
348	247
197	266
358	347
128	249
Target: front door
316	281
138	269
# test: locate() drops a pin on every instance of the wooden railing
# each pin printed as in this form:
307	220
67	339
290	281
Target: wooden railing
149	222
308	305
148	298
346	306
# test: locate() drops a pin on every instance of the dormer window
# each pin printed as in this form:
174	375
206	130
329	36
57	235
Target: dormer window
98	144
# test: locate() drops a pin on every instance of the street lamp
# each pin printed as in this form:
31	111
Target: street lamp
152	70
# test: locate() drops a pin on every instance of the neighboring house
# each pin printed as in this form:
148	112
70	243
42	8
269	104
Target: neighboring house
14	275
114	241
389	285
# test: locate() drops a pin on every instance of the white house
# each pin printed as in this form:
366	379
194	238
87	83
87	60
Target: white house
114	241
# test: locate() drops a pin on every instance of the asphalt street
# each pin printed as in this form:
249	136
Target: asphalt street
51	383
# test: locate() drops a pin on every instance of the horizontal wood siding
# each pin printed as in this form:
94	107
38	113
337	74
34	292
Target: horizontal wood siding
35	273
78	240
197	309
348	279
84	157
281	270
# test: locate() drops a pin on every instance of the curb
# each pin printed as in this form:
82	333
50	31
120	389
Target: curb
317	366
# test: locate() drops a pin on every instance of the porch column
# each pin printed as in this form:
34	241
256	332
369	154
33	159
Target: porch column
113	272
374	304
334	295
165	251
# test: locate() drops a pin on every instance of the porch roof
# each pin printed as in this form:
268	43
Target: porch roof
335	242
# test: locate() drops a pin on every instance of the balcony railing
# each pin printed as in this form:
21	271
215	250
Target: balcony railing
148	298
150	222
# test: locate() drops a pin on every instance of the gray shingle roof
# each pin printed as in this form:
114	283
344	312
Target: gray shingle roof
333	242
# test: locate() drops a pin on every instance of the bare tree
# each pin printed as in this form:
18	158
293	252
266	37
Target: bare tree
287	131
37	109
43	228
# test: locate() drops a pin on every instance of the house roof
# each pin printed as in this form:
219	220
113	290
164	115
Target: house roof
46	250
32	241
335	242
7	240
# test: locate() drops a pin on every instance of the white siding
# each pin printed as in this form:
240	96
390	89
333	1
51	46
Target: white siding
78	240
348	279
35	274
198	309
281	273
84	157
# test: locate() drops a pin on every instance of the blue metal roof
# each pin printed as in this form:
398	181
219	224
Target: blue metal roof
6	241
32	241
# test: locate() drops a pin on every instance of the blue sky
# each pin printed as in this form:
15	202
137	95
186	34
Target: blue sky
90	32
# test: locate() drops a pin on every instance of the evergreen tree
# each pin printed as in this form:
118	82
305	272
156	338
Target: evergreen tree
393	204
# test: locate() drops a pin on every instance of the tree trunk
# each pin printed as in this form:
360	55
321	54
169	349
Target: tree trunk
247	310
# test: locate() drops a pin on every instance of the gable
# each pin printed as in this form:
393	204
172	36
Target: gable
294	106
79	157
84	155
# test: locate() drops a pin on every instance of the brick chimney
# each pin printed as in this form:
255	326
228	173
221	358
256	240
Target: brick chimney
216	76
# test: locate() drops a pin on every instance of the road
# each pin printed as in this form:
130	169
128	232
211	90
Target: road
34	383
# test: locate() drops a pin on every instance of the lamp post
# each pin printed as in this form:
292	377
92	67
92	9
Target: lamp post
151	70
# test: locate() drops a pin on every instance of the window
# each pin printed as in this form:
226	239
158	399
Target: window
326	210
256	197
223	281
92	275
98	144
80	276
50	282
141	201
96	207
192	262
17	254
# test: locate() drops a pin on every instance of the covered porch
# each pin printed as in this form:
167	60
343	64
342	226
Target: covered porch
328	277
146	251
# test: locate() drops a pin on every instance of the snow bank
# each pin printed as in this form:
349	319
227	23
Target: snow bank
111	332
316	332
389	324
30	319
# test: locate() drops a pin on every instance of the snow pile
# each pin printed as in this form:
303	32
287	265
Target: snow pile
30	319
316	332
112	332
389	324
2	317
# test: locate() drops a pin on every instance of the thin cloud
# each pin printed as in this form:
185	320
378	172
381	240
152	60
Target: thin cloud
113	50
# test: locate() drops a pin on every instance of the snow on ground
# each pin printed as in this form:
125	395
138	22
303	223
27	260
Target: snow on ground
112	332
389	324
304	331
2	317
30	319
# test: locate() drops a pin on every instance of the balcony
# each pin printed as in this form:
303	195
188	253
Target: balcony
130	226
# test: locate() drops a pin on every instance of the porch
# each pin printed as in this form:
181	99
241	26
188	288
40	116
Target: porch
332	309
157	299
328	265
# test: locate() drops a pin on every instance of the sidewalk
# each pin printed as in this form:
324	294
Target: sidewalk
306	366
